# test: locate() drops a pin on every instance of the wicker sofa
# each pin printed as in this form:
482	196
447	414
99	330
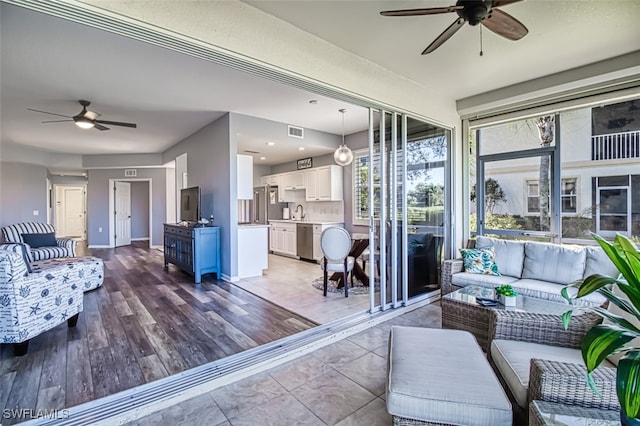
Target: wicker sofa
59	247
534	269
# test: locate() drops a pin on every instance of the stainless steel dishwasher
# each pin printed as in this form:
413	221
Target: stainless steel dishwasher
304	233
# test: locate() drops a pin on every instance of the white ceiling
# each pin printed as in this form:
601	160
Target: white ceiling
48	64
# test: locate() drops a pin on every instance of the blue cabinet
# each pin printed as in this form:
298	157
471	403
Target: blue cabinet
195	250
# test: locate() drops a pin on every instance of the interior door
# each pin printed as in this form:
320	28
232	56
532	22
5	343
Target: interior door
74	211
122	196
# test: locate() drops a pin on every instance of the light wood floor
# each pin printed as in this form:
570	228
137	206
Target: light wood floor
142	325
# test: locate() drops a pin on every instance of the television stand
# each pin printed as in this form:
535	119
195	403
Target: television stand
195	250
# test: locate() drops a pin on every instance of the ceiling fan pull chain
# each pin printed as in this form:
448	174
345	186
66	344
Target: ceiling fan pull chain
481	40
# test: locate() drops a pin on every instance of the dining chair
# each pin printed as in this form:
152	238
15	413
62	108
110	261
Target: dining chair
335	243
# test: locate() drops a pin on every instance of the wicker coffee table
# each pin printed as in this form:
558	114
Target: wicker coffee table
461	311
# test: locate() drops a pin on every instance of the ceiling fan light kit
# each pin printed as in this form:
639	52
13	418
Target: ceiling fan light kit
343	155
474	12
86	119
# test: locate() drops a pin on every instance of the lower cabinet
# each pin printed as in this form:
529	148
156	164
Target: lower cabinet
282	238
194	250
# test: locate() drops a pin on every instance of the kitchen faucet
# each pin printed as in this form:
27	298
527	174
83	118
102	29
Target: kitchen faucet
302	215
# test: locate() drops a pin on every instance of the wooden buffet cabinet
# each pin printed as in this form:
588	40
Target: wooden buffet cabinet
195	250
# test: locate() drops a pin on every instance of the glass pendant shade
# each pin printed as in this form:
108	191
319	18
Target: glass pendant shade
343	155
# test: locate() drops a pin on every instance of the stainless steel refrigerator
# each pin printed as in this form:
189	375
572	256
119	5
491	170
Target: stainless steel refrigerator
265	205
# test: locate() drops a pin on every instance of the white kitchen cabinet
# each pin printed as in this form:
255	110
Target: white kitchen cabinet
283	238
293	180
245	177
324	184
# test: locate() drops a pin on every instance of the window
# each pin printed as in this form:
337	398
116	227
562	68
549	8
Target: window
533	196
568	195
361	188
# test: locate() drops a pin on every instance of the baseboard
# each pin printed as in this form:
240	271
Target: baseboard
140	239
160	247
226	277
100	246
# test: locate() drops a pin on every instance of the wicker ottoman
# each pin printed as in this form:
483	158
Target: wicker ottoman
86	271
442	377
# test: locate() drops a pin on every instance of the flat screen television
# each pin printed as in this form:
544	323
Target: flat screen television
190	204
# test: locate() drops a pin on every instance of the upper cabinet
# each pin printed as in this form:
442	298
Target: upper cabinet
245	177
324	183
320	184
294	180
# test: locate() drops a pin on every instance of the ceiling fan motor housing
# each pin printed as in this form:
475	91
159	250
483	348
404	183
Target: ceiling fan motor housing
474	10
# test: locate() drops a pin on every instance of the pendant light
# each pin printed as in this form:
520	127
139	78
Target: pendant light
343	155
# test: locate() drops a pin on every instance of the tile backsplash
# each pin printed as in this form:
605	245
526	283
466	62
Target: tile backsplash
322	211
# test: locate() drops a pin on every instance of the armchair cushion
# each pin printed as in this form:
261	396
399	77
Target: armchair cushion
40	240
513	362
19	248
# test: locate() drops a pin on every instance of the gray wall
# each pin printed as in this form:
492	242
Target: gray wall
23	189
210	166
139	210
98	203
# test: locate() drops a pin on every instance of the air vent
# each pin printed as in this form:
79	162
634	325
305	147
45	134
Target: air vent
296	132
247	151
130	172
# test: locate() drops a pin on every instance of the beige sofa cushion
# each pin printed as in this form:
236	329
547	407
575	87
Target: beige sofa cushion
553	263
509	254
551	291
513	359
463	279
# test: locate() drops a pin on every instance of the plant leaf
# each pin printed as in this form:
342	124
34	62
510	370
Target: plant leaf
618	320
601	341
615	253
628	383
566	319
593	283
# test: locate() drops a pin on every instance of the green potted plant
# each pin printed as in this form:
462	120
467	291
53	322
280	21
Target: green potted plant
616	336
506	295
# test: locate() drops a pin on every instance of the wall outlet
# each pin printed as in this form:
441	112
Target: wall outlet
36	212
99	228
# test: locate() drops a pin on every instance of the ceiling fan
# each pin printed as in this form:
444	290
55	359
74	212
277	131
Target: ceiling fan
86	119
474	12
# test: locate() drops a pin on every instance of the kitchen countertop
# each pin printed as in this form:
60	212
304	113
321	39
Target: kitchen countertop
252	225
310	222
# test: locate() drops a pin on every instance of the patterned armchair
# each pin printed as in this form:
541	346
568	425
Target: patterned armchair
58	247
34	302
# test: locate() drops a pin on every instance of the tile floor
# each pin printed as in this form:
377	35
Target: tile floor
287	283
340	384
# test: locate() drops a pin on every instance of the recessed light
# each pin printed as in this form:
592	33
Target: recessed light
301	148
271	143
313	101
263	158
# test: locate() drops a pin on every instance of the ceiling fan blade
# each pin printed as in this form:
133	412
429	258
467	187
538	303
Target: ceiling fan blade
500	3
446	35
47	112
417	12
117	123
55	121
99	126
505	25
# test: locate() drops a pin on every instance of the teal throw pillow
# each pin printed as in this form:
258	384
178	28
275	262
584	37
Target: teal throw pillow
480	261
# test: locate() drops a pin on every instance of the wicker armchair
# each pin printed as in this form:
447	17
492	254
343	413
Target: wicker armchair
553	381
